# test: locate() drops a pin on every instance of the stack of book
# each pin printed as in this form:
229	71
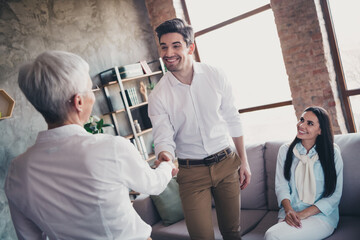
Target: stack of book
132	70
131	96
142	148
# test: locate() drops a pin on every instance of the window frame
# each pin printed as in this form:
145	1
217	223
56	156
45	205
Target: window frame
345	93
223	24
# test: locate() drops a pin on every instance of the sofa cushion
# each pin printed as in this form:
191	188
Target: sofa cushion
178	231
348	228
258	233
250	218
146	210
350	152
168	204
270	157
254	196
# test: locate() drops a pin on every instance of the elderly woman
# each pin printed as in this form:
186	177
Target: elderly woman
71	184
309	179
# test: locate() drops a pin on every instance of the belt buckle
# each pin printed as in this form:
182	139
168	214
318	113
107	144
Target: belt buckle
217	159
208	161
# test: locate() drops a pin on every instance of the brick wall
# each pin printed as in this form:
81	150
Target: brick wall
160	11
307	57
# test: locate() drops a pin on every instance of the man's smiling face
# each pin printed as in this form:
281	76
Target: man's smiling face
174	52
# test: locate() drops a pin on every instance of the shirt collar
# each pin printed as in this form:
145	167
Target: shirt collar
174	82
302	150
59	132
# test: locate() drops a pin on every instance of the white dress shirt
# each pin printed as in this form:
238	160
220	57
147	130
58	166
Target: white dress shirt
75	185
195	119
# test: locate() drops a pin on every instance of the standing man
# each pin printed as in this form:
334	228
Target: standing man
192	114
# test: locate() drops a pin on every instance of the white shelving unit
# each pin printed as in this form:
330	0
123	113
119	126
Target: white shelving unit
128	108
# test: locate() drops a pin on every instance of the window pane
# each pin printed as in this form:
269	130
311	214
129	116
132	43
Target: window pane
268	125
249	52
345	15
218	11
355	105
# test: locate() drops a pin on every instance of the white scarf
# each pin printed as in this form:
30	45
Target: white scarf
305	178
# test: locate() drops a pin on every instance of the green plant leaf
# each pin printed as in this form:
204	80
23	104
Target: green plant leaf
100	124
96	127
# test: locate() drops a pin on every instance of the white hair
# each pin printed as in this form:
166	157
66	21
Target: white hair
51	80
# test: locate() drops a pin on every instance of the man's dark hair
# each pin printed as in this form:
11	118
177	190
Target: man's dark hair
176	25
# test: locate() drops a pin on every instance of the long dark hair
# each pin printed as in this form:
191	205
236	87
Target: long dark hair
324	148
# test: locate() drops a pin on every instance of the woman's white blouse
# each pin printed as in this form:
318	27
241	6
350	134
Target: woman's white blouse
287	189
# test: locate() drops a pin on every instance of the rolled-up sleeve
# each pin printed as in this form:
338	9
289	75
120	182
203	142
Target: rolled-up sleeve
282	187
329	204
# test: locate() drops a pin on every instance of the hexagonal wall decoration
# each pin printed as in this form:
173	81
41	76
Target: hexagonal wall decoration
7	104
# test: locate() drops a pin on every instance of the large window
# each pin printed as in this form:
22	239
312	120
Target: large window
241	38
344	36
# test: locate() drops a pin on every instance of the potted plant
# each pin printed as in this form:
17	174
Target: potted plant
95	125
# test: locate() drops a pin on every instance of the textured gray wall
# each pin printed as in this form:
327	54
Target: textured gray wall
104	32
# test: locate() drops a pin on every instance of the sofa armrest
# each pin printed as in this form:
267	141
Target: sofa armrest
146	210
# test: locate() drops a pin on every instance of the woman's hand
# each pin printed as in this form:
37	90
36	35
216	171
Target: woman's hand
292	218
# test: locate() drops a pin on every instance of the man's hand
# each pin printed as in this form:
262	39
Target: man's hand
165	156
244	171
244	175
174	171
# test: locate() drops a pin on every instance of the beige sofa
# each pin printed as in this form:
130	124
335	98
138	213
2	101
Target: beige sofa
259	205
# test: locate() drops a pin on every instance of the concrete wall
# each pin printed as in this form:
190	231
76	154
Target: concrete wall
104	32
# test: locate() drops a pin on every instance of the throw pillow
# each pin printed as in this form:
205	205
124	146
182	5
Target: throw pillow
168	204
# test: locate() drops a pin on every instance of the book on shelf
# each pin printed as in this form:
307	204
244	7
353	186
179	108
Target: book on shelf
131	70
107	76
141	114
138	148
127	97
132	96
135	96
143	146
145	67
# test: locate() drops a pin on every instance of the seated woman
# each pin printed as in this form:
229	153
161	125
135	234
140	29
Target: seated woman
309	179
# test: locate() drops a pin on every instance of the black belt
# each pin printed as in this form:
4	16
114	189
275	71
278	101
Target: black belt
212	159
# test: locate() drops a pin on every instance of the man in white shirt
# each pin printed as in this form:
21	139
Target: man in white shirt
71	184
192	112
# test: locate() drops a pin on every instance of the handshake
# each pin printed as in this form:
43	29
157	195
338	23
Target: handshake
165	156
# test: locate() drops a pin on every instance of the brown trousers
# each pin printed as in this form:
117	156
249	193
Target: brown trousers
197	184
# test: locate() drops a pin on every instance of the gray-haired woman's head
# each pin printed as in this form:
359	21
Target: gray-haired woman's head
51	80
